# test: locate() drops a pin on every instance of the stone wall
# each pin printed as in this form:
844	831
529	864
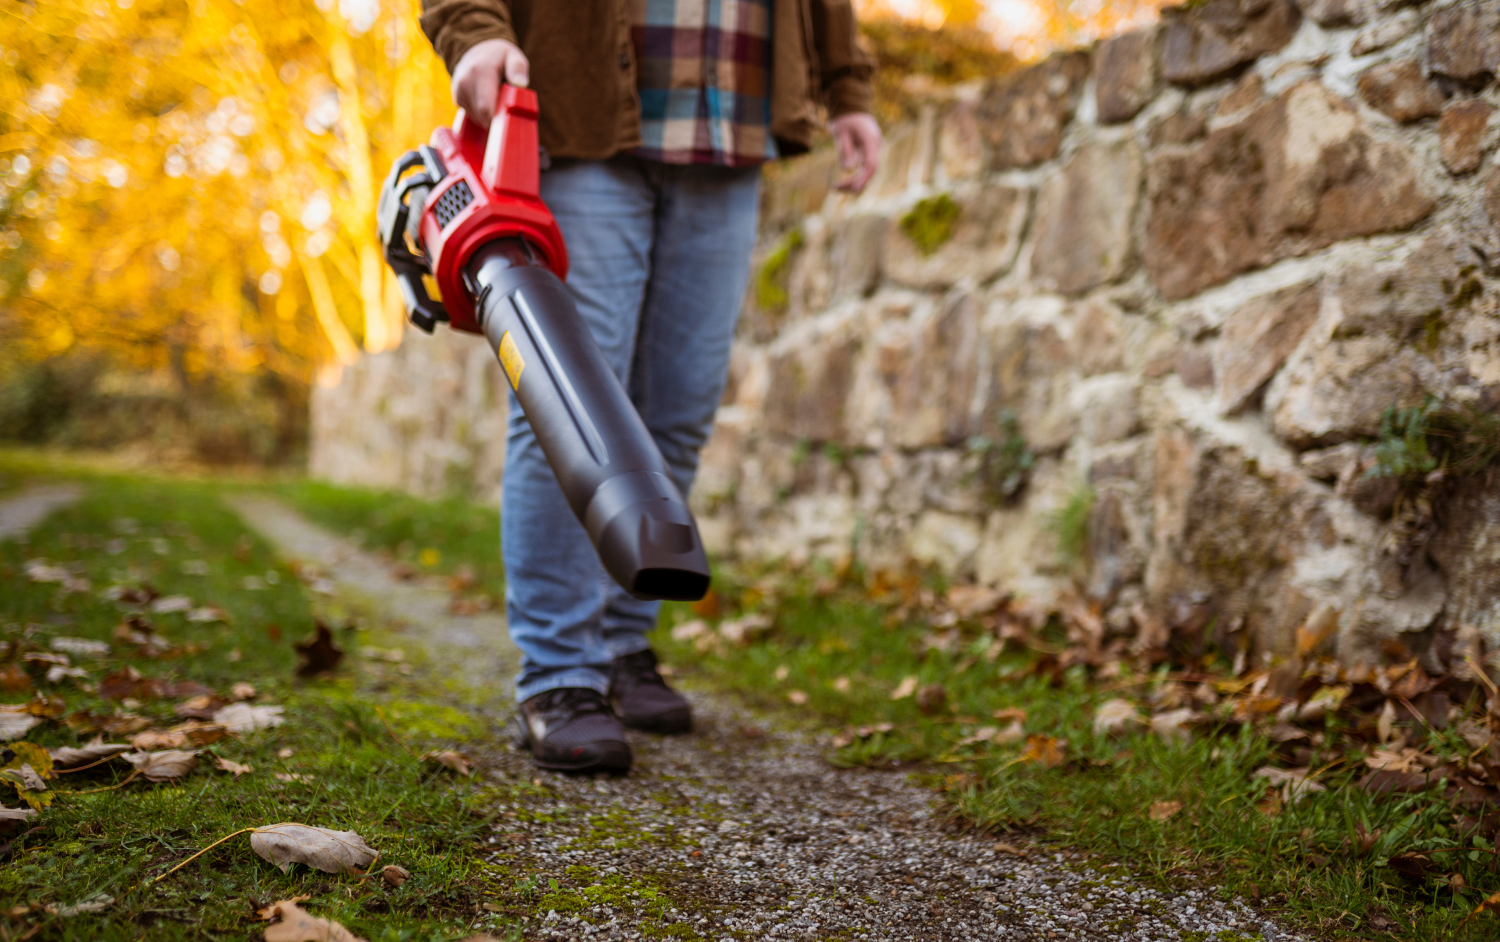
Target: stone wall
1125	323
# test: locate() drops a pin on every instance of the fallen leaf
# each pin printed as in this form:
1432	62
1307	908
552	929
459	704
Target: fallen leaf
841	684
201	707
1394	760
128	682
1385	724
122	724
94	904
689	630
1113	716
229	765
796	697
319	654
1319	627
242	691
1173	726
932	698
1293	783
171	603
330	851
906	688
448	758
11	818
80	647
30	779
745	629
1014	851
395	875
16	725
1384	783
291	923
291	777
168	766
1162	810
245	718
14	679
207	614
157	739
1490	904
1010	714
94	750
1045	751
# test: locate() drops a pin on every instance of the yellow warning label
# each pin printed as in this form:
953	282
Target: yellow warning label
510	358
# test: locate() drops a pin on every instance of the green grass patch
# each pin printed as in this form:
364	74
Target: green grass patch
771	290
338	766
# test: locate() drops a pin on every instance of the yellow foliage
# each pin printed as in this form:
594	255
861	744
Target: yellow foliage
191	183
1028	29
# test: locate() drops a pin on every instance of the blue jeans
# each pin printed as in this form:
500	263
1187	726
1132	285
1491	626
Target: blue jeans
660	255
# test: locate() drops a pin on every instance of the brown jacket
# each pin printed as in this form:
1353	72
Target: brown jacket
583	65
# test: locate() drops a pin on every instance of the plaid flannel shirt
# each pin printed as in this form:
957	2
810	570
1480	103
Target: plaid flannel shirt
704	70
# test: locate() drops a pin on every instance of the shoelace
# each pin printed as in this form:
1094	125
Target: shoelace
641	668
578	700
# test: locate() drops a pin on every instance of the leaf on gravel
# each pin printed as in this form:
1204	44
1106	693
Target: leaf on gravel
1114	715
16	725
94	750
291	923
242	691
330	851
1004	848
1045	751
168	766
319	654
448	758
395	875
229	765
245	718
1162	810
79	647
906	688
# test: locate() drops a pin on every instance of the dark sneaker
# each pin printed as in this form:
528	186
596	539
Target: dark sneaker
643	699
572	729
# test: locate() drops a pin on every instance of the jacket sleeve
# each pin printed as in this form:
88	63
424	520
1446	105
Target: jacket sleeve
844	68
456	26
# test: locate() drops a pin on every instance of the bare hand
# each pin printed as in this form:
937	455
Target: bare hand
858	138
476	78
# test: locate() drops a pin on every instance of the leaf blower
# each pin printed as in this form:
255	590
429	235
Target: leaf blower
464	209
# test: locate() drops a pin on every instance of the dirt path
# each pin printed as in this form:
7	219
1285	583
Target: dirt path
743	832
31	505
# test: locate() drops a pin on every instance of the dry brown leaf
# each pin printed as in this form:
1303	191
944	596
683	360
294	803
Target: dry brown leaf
242	691
291	777
1113	716
168	766
932	698
291	923
128	682
448	758
906	688
796	697
1394	760
1014	851
1162	810
1293	783
14	818
245	718
94	750
1045	751
1174	725
229	765
395	875
1490	904
157	739
1010	715
330	851
319	654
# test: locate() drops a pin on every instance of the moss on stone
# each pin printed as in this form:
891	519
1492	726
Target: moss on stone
1070	524
771	284
930	223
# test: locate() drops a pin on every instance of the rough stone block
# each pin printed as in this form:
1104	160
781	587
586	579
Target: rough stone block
1463	41
1108	408
796	188
810	373
1098	337
1256	340
1024	115
855	246
960	142
1206	43
1030	375
947	541
1468	554
1084	217
930	373
1298	173
901	163
1127	74
1461	132
1401	91
1492	197
1386	32
1338	389
983	243
1345	12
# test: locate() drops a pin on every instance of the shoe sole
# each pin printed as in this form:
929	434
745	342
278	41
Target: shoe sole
670	723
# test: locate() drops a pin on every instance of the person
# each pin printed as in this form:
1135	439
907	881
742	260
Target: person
656	117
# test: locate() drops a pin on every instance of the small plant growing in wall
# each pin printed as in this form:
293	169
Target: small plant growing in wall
1070	525
1459	439
1005	460
930	223
771	284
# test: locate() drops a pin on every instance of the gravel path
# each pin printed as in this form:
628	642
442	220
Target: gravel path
741	831
31	505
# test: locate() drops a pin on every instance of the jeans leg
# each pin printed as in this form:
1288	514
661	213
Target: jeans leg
556	588
700	264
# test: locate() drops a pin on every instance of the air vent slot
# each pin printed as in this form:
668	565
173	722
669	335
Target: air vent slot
453	201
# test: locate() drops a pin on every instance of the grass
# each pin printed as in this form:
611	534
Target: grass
344	769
